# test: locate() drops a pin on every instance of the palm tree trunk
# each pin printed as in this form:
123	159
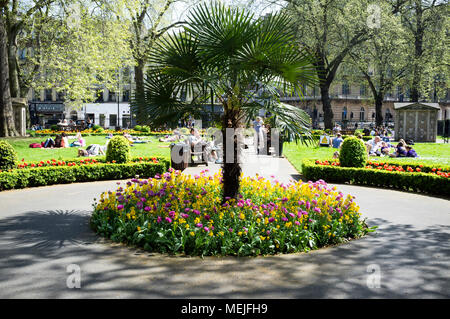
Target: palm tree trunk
231	170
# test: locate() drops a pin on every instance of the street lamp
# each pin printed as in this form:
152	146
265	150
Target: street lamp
117	97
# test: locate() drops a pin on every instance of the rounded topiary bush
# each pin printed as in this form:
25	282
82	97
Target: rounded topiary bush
118	150
138	128
8	156
145	129
177	213
353	153
54	127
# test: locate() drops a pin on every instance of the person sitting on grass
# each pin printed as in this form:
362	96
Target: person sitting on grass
92	150
58	141
384	149
337	141
373	146
49	143
400	150
64	141
410	152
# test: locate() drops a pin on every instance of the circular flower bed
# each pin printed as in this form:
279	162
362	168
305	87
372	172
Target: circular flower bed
177	213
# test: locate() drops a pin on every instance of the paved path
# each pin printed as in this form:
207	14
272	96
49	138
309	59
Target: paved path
44	230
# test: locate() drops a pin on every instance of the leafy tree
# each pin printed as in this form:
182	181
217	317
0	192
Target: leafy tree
235	55
426	22
79	52
382	58
329	30
74	54
147	21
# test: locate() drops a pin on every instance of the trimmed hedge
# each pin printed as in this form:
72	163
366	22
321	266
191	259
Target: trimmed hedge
42	176
8	156
118	150
353	153
416	182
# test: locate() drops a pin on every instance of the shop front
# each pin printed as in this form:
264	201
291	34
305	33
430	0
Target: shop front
46	114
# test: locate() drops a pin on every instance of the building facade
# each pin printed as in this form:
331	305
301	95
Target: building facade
47	107
352	104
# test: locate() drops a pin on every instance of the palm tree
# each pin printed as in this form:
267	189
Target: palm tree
229	52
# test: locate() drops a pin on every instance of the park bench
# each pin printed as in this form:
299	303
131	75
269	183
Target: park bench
182	156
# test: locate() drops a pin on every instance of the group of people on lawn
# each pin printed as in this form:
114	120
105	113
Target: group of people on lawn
62	141
379	146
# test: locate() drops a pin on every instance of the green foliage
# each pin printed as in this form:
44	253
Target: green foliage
118	150
353	153
407	181
22	178
226	51
145	129
8	156
138	128
54	127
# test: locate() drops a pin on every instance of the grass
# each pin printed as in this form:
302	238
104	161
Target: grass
430	153
21	145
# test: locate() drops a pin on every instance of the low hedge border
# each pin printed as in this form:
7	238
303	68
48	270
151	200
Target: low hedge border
415	182
42	176
135	133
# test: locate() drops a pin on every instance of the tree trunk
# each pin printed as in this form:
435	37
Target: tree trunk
13	66
7	125
378	109
139	80
231	170
326	105
418	52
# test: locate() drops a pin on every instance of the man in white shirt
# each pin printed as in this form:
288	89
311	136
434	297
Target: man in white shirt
374	146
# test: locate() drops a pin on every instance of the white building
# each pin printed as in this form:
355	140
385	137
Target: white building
103	114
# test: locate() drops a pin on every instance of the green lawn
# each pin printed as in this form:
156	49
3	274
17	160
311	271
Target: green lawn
430	153
21	145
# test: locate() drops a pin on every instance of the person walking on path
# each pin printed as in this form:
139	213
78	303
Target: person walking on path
258	125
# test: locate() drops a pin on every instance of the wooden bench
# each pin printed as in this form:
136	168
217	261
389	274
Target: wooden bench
182	156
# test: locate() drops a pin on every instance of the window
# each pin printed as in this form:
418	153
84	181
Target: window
112	120
362	114
60	96
344	113
99	95
362	90
48	94
126	96
345	89
112	97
